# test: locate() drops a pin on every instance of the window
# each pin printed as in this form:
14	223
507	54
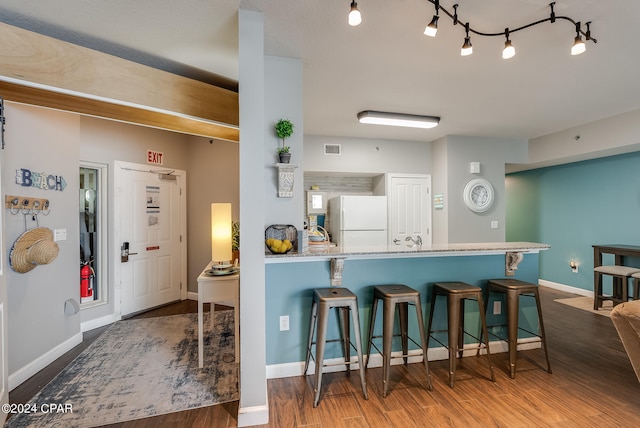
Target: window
93	234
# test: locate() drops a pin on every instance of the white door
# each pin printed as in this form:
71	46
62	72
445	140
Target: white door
4	363
150	207
409	208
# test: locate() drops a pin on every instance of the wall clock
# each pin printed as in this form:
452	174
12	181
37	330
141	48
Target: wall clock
478	195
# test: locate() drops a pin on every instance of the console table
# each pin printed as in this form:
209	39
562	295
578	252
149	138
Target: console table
619	251
224	290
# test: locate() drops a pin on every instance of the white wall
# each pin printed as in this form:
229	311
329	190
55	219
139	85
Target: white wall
42	141
370	156
606	137
439	182
464	225
213	176
253	408
283	100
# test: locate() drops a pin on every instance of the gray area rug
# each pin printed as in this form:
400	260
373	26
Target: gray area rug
586	304
141	368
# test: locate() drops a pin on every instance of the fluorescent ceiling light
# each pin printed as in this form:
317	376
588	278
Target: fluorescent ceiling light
398	119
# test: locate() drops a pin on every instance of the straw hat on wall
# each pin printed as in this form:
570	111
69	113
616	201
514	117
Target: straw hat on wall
34	247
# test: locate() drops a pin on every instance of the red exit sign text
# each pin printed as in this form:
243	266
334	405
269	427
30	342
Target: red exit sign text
155	158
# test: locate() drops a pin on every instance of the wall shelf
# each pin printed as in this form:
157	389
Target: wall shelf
285	179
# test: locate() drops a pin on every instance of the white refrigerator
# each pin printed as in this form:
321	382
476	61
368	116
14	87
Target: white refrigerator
358	221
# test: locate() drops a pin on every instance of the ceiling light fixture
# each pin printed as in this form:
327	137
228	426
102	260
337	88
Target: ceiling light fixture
355	18
398	119
579	45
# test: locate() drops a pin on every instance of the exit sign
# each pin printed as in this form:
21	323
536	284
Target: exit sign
154	157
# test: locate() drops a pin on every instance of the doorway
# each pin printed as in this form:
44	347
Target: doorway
150	266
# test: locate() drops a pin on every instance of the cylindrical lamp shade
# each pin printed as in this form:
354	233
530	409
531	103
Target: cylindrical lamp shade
221	232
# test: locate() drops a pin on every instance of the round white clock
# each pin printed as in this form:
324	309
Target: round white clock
478	195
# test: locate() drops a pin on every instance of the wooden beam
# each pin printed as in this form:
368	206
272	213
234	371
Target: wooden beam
64	76
122	113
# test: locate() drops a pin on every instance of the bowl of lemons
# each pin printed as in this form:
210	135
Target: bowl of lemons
280	238
279	246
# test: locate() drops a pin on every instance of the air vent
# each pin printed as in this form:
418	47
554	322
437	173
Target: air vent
332	149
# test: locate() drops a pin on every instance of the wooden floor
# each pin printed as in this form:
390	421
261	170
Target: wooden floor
592	385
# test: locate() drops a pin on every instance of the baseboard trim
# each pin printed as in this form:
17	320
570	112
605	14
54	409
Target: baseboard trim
276	371
254	415
99	322
565	288
24	373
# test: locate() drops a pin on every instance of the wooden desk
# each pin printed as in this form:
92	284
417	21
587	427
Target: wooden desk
221	289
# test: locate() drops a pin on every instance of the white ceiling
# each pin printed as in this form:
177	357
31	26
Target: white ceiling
386	63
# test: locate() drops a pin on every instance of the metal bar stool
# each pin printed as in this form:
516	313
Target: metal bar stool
346	302
456	294
513	289
621	275
392	296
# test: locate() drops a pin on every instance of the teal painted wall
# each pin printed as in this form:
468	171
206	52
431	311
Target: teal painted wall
290	287
572	207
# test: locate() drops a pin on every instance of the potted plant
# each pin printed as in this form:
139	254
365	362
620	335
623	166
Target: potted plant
284	130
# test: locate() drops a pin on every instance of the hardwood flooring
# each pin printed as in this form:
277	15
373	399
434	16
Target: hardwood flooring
592	385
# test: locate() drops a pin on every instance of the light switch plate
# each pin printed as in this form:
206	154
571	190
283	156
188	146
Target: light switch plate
60	234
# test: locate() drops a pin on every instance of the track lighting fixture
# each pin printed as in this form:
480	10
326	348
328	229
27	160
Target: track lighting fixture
432	27
354	14
509	51
398	119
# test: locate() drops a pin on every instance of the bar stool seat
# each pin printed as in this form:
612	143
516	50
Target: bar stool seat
513	289
620	292
346	303
401	296
456	294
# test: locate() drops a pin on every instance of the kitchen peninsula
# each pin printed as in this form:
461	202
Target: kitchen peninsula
291	278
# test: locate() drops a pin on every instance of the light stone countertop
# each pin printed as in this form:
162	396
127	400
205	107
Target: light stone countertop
319	253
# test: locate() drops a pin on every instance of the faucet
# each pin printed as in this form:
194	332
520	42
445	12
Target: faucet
417	241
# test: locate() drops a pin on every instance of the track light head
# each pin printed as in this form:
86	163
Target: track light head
432	29
578	44
509	51
467	48
355	18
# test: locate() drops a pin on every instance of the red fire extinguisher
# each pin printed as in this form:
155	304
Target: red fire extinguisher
86	272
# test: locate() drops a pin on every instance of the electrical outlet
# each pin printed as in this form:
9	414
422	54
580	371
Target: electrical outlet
284	323
497	307
494	224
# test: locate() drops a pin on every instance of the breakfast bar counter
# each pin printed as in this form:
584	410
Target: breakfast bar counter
291	278
403	251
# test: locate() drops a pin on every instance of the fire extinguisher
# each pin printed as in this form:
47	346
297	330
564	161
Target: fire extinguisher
86	272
